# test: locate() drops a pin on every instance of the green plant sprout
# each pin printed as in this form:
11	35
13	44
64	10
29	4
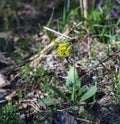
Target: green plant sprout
9	116
78	93
73	84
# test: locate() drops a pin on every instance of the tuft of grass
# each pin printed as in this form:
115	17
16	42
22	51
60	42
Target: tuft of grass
102	24
8	115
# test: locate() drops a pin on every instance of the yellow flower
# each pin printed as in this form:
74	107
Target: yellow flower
60	53
55	42
63	47
67	53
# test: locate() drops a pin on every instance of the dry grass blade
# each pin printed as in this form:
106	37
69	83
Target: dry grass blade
84	7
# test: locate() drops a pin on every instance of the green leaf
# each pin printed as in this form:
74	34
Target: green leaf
89	93
48	102
72	79
118	77
81	91
59	93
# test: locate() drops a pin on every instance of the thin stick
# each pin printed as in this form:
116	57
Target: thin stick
58	33
85	8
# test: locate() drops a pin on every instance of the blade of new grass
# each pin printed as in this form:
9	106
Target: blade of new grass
59	93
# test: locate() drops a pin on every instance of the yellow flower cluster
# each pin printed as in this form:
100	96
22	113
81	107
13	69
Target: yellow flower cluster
63	47
63	50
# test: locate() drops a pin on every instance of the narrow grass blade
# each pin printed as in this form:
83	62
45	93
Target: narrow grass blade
59	93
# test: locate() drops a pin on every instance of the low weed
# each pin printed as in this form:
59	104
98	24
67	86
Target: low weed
78	93
8	115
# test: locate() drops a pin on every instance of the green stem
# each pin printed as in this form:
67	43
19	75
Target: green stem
93	5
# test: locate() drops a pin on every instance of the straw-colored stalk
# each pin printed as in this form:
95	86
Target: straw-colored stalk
84	8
